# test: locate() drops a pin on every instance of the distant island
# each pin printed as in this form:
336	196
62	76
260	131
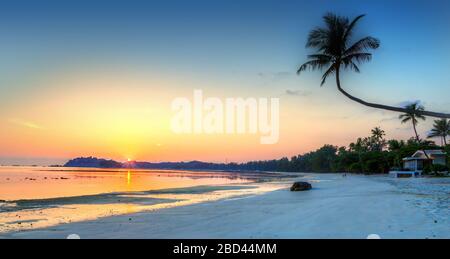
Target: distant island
192	165
93	162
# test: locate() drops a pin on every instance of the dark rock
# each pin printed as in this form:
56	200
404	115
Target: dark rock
300	186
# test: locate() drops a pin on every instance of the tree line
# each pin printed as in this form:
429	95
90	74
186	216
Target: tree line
368	155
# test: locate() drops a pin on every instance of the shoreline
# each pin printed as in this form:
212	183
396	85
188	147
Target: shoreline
89	195
337	207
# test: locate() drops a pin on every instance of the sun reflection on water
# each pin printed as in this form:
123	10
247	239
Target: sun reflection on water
57	196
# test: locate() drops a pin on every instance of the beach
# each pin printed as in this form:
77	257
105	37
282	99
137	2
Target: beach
337	207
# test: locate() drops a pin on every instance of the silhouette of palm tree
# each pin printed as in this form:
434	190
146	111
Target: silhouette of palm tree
378	133
378	136
412	115
335	52
441	128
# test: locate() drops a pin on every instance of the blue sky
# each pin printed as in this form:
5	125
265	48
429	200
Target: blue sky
245	46
222	37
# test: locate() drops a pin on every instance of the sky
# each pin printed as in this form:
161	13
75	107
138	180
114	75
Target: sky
82	78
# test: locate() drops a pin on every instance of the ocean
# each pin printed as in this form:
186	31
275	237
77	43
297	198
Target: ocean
35	197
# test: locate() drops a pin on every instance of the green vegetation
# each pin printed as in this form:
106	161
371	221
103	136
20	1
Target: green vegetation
368	155
441	129
435	170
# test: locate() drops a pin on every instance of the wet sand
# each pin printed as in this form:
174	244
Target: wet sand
336	207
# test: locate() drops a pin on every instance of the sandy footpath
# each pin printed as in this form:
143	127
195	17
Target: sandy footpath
337	207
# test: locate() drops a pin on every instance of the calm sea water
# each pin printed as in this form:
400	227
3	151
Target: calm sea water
17	183
34	197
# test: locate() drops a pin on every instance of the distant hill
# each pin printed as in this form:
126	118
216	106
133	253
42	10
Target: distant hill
296	164
192	165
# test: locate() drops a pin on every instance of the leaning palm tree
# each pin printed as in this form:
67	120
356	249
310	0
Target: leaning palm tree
412	115
441	129
336	51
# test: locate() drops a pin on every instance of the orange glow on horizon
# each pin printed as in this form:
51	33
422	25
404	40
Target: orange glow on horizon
121	115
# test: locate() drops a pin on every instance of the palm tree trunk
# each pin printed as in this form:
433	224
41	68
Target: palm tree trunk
389	108
415	131
445	141
385	107
418	139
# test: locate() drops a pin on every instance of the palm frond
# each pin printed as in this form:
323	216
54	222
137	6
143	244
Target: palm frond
351	26
358	57
420	116
441	128
331	70
348	63
354	67
419	108
363	44
313	65
324	57
434	134
331	20
317	38
335	27
412	113
406	119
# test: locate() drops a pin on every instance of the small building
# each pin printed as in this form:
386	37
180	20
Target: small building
414	165
422	158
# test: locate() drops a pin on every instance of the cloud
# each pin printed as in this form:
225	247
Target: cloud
282	74
297	92
409	102
24	123
403	128
275	75
393	118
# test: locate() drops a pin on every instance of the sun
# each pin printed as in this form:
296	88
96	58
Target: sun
129	159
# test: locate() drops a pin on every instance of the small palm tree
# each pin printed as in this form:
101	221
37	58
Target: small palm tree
336	51
441	129
412	115
378	133
378	137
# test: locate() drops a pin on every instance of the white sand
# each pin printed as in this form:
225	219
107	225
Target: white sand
337	207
